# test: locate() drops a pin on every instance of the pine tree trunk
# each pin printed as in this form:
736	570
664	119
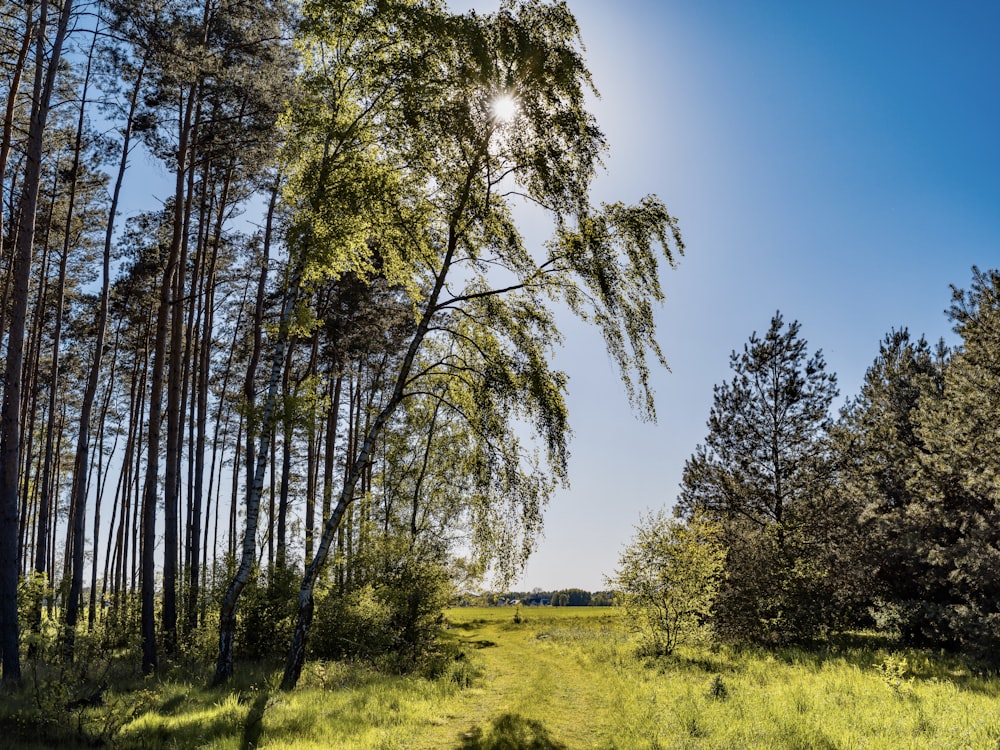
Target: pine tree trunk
175	380
10	417
151	484
219	447
36	493
79	500
93	379
6	138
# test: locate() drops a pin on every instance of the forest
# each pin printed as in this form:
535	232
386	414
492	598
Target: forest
298	405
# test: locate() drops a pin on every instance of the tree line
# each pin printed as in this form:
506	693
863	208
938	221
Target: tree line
538	597
794	523
310	386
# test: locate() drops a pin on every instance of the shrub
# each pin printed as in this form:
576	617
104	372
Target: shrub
266	613
391	612
668	578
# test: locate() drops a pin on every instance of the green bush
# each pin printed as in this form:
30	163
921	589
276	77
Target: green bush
668	578
266	614
39	635
391	614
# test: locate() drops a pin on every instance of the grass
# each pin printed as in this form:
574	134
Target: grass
561	679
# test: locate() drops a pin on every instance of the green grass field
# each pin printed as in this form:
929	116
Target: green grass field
563	678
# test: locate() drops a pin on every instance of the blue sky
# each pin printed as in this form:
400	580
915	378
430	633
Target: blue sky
839	161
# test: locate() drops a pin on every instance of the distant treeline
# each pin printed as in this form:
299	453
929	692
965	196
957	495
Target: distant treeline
537	597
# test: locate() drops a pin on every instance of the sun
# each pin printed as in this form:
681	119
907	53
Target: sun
504	108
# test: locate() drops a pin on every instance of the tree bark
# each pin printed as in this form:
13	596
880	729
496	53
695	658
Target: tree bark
286	463
151	485
329	455
219	446
205	360
8	125
79	493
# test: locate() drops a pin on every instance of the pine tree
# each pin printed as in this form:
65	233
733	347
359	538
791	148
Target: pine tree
47	57
958	482
881	472
765	474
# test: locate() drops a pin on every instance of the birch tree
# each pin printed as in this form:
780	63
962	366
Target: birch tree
492	107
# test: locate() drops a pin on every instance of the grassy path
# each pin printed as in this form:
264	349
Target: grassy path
538	688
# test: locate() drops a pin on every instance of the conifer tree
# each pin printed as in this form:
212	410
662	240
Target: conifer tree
764	473
960	549
880	455
47	57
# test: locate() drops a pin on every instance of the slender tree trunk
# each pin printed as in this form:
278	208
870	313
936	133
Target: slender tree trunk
219	446
138	505
297	650
227	611
235	492
286	463
205	359
419	484
272	493
189	377
312	463
250	382
79	498
151	485
175	384
123	494
98	502
8	125
90	391
33	494
329	456
10	418
36	493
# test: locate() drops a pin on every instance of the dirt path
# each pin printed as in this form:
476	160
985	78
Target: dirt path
537	689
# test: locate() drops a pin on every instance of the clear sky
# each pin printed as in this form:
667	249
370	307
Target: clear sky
837	161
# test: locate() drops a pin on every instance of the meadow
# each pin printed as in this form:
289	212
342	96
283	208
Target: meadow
563	678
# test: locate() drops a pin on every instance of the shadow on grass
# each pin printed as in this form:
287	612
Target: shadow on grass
171	706
254	727
709	664
467	625
511	732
